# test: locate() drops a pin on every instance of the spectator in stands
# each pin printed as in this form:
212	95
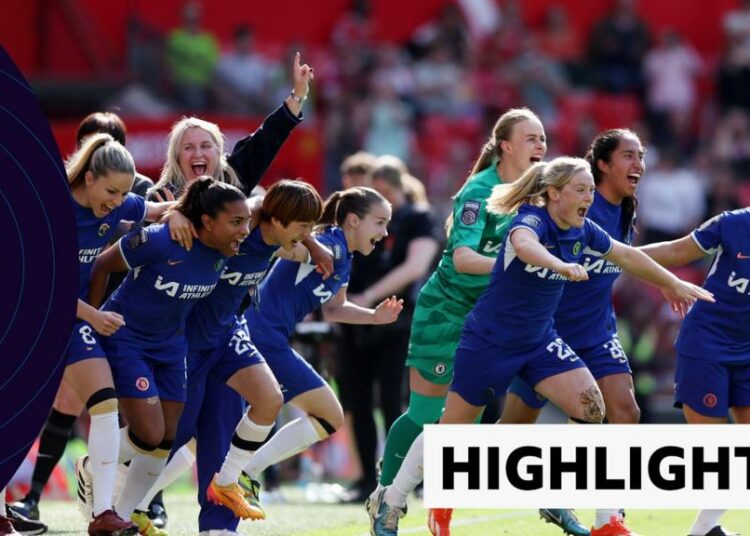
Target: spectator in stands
448	29
241	76
672	200
559	41
617	44
734	73
389	128
441	86
731	142
540	80
191	57
670	70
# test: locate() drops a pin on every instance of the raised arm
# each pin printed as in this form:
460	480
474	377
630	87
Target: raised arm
253	154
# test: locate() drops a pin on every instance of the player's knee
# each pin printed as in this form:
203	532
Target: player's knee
624	412
275	400
101	402
592	405
146	436
332	420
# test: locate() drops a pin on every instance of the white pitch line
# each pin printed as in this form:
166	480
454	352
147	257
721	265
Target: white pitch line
465	522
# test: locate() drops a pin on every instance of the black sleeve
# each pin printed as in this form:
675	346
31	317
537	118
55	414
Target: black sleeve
141	185
422	225
253	154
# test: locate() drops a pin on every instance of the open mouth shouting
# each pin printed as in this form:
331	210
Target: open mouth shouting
633	179
199	167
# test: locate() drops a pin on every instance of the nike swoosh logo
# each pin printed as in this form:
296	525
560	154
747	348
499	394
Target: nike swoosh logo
172	263
742	257
399	456
109	462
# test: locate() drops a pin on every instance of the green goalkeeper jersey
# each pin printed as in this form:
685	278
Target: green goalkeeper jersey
475	228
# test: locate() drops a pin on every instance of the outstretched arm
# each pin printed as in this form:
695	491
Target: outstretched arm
680	294
674	253
346	312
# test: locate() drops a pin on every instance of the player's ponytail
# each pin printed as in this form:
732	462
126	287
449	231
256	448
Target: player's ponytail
531	187
100	154
358	200
603	145
206	196
492	151
506	198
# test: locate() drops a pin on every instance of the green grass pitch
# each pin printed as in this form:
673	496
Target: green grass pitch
297	517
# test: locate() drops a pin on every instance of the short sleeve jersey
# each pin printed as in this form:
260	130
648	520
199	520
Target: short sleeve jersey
475	228
211	317
95	233
518	305
585	316
721	331
292	290
164	282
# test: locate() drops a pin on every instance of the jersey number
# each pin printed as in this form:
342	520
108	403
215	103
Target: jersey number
87	335
562	350
615	350
324	294
240	342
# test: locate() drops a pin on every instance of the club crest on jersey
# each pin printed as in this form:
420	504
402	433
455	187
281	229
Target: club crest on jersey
531	220
142	383
576	248
470	212
103	228
136	240
439	369
217	265
710	400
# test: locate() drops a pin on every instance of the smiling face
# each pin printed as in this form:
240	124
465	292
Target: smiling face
197	154
290	235
368	231
107	192
622	173
228	229
527	144
570	204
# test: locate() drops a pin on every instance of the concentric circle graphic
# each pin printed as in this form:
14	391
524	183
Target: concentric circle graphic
38	268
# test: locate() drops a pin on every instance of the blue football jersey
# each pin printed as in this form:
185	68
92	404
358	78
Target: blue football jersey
164	282
721	330
95	233
517	307
292	290
585	317
211	317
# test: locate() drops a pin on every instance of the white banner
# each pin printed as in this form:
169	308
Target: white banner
587	466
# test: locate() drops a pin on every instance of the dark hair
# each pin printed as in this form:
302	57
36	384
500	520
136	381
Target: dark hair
102	122
357	200
206	196
291	200
603	145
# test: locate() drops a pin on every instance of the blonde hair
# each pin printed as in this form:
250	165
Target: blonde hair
531	187
100	154
492	152
172	175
